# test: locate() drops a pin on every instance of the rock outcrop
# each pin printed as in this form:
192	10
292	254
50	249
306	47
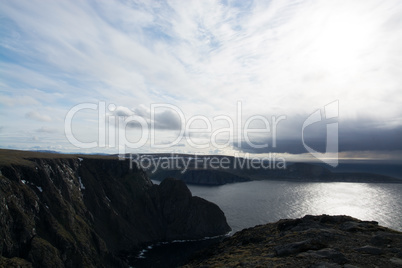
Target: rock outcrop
88	211
311	241
186	216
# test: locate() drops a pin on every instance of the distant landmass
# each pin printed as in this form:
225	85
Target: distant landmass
200	177
241	170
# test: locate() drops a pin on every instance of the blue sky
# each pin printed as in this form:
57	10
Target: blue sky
275	57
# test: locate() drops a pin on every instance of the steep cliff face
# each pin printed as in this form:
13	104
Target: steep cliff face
84	211
187	216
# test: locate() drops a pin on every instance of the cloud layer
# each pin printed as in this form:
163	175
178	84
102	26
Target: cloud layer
276	57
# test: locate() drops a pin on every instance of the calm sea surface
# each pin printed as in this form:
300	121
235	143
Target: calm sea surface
251	203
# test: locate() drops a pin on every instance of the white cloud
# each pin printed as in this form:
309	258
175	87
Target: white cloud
37	116
277	57
122	111
18	100
47	130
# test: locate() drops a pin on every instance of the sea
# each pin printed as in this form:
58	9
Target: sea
248	204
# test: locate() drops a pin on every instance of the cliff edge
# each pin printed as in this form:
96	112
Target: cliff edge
88	211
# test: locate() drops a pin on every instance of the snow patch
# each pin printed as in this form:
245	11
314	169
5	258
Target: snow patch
24	181
81	185
141	255
79	158
39	188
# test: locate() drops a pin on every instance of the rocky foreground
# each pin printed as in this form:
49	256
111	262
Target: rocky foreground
89	211
312	241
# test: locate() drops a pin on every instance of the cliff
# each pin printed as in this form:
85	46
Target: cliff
311	241
88	211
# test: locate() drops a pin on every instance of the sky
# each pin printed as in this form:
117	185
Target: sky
292	78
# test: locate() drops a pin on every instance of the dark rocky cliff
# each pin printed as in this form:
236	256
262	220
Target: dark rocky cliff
86	211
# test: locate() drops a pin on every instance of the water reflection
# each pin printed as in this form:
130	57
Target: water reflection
248	204
339	198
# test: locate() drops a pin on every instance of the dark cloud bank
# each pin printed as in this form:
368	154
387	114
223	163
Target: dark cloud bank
352	136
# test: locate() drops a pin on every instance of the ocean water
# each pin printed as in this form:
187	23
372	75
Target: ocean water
258	202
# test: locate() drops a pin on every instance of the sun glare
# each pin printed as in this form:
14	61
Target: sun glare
342	42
